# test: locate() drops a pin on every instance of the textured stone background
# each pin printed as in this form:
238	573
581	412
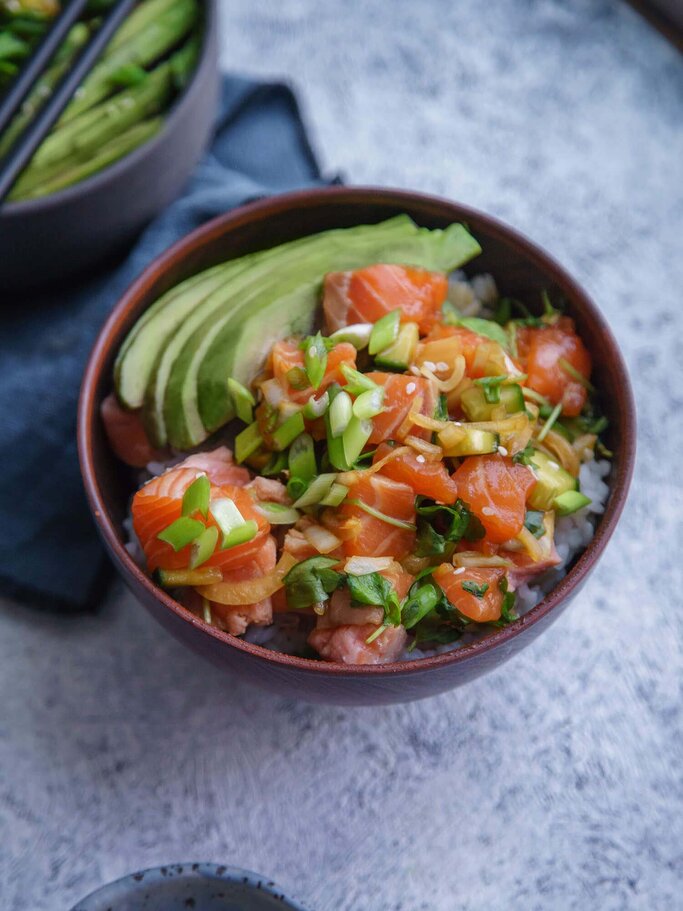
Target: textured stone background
555	783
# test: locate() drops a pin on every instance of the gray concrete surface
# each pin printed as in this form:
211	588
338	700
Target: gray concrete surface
554	783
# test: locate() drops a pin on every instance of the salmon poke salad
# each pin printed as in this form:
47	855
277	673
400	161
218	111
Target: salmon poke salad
348	450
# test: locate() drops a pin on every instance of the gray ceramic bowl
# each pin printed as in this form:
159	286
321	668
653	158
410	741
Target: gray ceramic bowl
52	239
201	887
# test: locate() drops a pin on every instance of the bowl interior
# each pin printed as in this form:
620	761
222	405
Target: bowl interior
201	887
520	269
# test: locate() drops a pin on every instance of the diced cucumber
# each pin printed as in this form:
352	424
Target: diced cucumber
473	442
552	481
570	501
399	355
476	407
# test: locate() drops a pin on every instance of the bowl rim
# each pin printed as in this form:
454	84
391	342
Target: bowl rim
222	224
93	901
111	172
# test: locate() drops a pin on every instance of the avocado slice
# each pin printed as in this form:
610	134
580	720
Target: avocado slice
170	401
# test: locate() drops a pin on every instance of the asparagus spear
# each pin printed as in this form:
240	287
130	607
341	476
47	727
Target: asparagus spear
144	48
43	88
121	146
143	15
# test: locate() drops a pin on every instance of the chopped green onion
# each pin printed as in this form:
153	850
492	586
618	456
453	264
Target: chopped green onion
548	308
357	335
317	490
315	358
357	382
535	396
296	487
377	633
552	417
316	408
302	458
204	546
576	374
227	516
491	387
196	497
369	404
275	464
336	495
243	401
384	332
181	532
390	520
278	513
298	378
503	311
288	431
240	535
247	442
341	412
354	439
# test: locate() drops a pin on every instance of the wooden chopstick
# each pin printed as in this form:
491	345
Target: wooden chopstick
40	58
22	151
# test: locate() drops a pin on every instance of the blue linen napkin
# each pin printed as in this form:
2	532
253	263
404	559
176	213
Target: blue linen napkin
50	554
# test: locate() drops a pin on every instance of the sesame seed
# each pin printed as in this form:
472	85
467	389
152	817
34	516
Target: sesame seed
502	450
487	511
442	365
553	465
420	458
460	569
411	387
415	370
430	365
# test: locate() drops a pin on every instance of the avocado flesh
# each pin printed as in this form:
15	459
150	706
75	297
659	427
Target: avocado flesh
239	347
178	416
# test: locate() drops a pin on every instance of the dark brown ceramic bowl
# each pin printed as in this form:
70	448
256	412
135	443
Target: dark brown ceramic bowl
520	268
96	219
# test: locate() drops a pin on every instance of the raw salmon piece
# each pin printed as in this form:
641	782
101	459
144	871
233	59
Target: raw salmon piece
431	479
483	609
219	467
159	503
236	619
368	294
127	435
400	391
340	613
366	536
525	569
347	644
543	348
286	354
495	489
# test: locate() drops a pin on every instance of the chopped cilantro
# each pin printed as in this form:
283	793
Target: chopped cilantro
474	589
533	522
311	581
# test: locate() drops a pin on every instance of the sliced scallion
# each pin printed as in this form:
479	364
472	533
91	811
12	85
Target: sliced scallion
204	546
240	535
247	442
390	520
302	458
298	378
227	516
275	464
296	487
369	404
336	495
316	408
357	335
548	426
356	382
341	412
278	513
384	332
181	532
196	497
288	431
243	401
317	490
315	359
491	387
354	438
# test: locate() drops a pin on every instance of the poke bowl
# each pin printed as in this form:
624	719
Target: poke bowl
123	148
360	483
